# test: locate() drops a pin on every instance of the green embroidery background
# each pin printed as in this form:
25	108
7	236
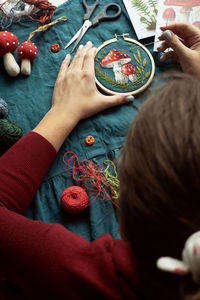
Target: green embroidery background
140	60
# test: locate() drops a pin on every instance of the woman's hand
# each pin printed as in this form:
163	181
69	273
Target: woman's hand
75	90
75	97
187	52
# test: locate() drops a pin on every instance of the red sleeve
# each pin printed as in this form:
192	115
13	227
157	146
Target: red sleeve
22	169
46	260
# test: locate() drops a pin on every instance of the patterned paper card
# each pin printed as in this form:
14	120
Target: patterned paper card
143	15
176	10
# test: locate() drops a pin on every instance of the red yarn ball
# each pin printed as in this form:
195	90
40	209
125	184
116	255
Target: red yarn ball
74	200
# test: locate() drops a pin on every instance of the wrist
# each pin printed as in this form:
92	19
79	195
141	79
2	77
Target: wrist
56	126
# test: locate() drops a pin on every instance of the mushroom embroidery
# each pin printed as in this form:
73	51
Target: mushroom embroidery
115	59
8	44
27	52
128	71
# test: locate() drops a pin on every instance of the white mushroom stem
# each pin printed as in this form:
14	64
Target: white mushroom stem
119	76
26	67
132	78
11	65
186	12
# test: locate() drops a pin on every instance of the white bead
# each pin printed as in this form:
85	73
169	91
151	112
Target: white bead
30	50
4	34
7	44
22	46
21	52
13	43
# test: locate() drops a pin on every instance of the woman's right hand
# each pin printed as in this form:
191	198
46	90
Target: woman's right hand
187	52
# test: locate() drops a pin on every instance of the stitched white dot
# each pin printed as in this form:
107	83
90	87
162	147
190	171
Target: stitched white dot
35	53
11	34
21	52
30	50
7	44
4	34
22	46
29	45
13	43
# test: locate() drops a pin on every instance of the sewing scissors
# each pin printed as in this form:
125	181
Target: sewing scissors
103	15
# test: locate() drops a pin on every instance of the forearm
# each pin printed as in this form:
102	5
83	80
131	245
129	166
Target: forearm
56	126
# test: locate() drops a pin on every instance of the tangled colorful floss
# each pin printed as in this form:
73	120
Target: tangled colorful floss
92	177
74	200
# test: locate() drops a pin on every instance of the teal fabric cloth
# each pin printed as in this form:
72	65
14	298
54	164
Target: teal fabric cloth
29	98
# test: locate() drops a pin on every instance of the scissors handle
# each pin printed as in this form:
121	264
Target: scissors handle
103	15
89	9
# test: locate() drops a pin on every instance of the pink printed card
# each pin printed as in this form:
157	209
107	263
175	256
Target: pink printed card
176	10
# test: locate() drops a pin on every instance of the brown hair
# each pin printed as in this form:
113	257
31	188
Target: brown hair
160	182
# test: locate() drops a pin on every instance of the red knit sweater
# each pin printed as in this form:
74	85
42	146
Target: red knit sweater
46	260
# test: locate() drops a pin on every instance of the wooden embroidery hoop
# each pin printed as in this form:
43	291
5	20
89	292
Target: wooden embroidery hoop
129	40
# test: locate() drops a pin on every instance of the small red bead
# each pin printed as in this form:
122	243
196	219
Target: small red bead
55	48
89	140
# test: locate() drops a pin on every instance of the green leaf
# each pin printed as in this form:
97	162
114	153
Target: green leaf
136	58
139	70
147	74
144	62
138	53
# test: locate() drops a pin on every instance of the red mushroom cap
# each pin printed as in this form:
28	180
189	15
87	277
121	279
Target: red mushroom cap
128	69
182	3
8	42
27	50
196	23
114	55
169	14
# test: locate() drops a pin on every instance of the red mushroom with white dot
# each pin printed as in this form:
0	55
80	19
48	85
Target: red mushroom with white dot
115	59
27	52
128	71
8	44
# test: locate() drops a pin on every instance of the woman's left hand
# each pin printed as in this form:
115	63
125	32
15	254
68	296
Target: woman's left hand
75	90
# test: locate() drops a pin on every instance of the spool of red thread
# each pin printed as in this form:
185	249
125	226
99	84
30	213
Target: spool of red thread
74	199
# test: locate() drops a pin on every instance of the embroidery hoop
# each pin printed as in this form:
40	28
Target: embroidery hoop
138	45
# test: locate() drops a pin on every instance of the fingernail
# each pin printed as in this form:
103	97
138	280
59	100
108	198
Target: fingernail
68	55
162	56
168	34
129	98
89	43
80	47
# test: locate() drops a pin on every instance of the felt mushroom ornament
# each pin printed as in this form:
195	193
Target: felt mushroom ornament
8	44
115	59
128	71
27	52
